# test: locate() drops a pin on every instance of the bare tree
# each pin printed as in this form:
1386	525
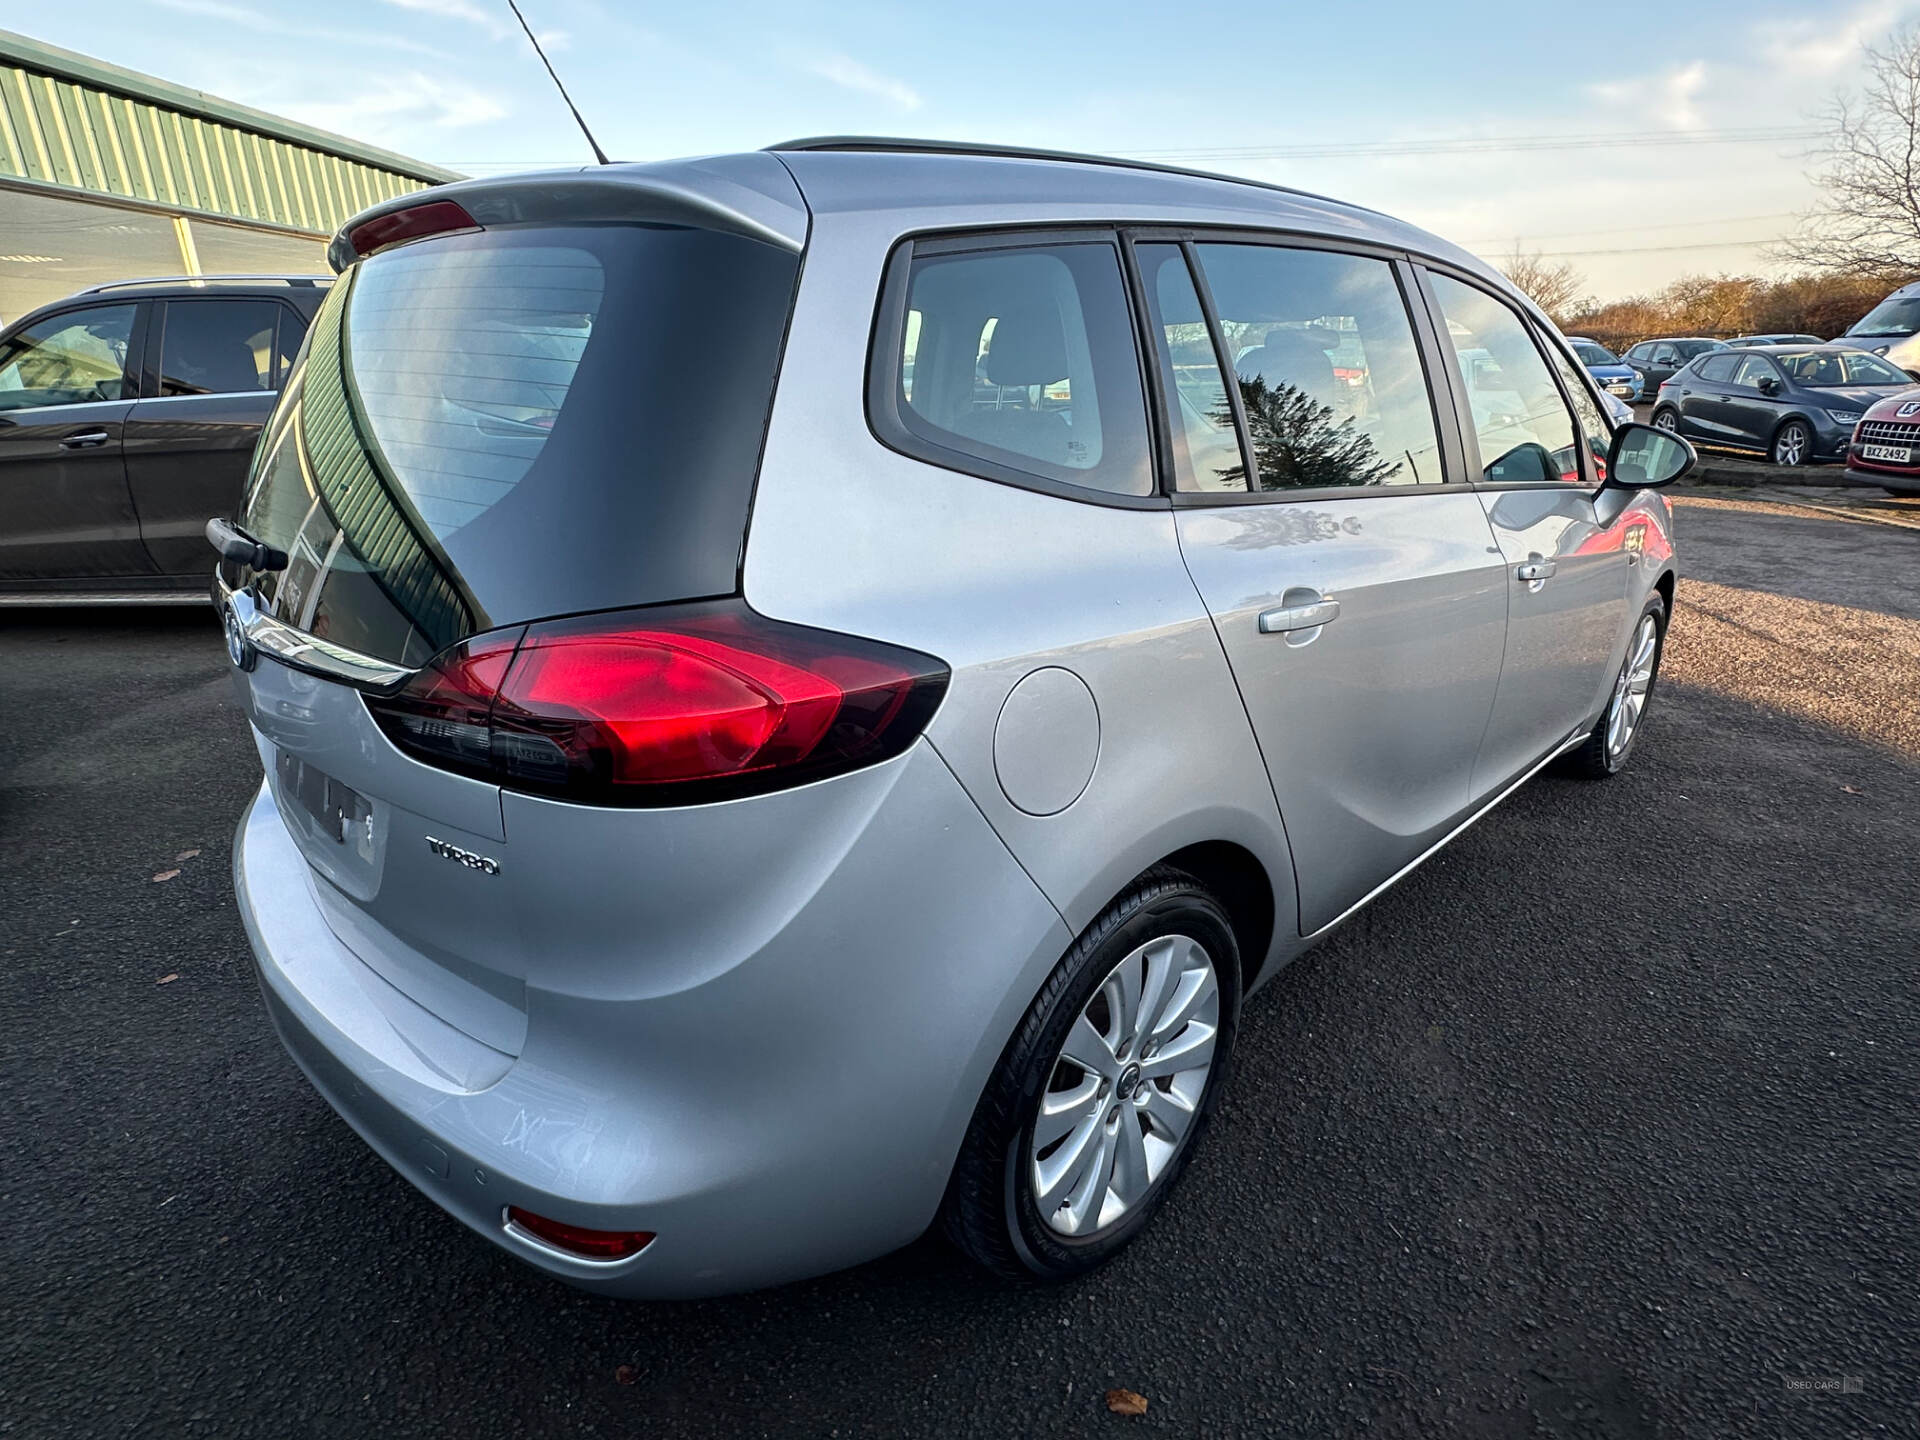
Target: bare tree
1867	221
1556	289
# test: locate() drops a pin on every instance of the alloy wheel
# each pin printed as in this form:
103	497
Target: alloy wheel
1630	690
1666	421
1790	446
1125	1090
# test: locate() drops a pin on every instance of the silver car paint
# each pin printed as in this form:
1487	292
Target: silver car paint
760	1027
1563	632
1370	723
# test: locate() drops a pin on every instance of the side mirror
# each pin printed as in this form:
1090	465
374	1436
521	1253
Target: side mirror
1769	385
1643	458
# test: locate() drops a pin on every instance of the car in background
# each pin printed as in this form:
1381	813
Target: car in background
1616	377
128	415
1892	329
1885	449
1776	340
1657	360
1799	406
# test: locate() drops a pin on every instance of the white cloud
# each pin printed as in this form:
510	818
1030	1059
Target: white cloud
850	74
1672	95
1828	43
400	102
465	11
554	41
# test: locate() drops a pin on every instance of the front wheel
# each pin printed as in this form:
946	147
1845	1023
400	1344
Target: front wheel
1792	444
1104	1089
1610	744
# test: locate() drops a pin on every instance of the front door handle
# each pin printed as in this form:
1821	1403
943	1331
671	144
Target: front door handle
84	440
1289	618
1535	572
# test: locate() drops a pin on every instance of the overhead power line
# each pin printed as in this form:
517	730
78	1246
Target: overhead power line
1493	144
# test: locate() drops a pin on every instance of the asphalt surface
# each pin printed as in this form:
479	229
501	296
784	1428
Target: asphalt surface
1603	1124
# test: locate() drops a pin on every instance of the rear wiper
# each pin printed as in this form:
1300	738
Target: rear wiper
237	545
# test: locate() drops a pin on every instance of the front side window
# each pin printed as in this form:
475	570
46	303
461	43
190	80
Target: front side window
217	347
1206	445
1524	429
1752	371
1021	360
69	359
1329	374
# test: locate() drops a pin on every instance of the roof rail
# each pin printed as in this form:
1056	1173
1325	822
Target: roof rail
291	281
890	145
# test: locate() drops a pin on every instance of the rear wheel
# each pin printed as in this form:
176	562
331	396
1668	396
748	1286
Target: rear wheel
1792	444
1104	1089
1667	420
1610	745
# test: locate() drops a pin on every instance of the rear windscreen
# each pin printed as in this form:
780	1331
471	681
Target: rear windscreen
499	426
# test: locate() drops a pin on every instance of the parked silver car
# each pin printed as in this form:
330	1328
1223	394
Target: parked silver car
800	691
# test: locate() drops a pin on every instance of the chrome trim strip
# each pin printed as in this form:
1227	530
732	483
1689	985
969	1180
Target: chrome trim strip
1577	738
46	599
534	1242
296	648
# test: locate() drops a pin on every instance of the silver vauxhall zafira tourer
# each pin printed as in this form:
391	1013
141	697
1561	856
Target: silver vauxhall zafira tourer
801	691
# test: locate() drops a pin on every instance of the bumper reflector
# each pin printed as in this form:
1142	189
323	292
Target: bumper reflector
577	1239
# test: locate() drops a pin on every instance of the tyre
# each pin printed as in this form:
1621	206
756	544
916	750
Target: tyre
1610	745
1792	444
1667	420
1105	1089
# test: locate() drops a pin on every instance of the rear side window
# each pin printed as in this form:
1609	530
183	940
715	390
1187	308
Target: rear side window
218	347
1018	363
1524	429
512	424
1717	367
1329	375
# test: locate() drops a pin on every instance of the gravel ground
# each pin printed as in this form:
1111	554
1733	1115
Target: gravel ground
1603	1124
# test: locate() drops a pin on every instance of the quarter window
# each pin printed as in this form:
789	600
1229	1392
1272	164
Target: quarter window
1524	429
1330	377
218	347
1022	360
1593	425
68	359
1206	445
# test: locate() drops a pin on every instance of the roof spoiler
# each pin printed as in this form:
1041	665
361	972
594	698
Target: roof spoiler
751	195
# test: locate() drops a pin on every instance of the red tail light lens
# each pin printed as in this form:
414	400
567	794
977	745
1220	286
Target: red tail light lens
436	217
663	706
577	1239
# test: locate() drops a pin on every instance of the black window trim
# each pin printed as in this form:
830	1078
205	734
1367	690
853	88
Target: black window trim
1536	328
887	341
130	371
1452	454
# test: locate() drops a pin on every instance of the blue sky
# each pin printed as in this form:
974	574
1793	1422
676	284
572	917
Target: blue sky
1399	83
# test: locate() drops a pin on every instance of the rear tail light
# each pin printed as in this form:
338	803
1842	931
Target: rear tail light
588	1244
415	222
664	706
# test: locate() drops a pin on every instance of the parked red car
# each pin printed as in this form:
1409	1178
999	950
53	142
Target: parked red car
1885	449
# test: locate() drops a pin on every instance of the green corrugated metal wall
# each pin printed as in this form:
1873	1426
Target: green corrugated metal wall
59	132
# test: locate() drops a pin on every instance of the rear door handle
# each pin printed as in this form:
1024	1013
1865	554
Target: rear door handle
84	440
1298	617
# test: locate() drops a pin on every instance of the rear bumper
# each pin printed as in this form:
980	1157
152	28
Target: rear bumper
787	1111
